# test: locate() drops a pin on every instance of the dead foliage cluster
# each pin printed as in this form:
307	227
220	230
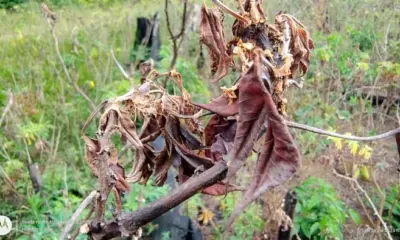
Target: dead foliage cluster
248	112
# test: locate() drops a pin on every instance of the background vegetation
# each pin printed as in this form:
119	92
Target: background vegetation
357	53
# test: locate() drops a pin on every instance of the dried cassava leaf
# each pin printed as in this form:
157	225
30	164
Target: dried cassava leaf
220	189
118	172
212	35
190	139
277	162
127	128
252	115
300	43
222	106
92	148
172	131
219	134
164	162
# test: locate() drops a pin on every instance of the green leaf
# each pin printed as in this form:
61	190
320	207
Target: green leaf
306	230
298	208
296	229
314	228
314	201
354	216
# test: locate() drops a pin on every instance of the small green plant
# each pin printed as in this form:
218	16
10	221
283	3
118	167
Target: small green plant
391	209
9	4
319	213
252	216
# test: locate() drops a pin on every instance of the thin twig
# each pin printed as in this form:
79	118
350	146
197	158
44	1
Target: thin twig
227	10
369	200
176	37
381	200
27	152
121	69
77	231
77	213
8	107
10	182
360	201
51	22
94	112
333	134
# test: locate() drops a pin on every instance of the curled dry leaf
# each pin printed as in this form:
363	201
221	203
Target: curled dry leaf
251	117
164	120
300	43
212	35
221	106
92	154
278	160
92	148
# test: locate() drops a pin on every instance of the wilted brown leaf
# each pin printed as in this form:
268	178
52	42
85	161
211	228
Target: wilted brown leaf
277	162
252	115
173	136
92	148
212	35
300	43
219	134
221	106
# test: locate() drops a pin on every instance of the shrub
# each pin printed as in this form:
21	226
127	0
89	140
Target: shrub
319	213
9	4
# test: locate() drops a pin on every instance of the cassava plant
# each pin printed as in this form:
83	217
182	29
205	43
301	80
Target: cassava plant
207	159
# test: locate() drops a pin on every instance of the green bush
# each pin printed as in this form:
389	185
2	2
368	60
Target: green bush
319	213
13	4
9	4
391	209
